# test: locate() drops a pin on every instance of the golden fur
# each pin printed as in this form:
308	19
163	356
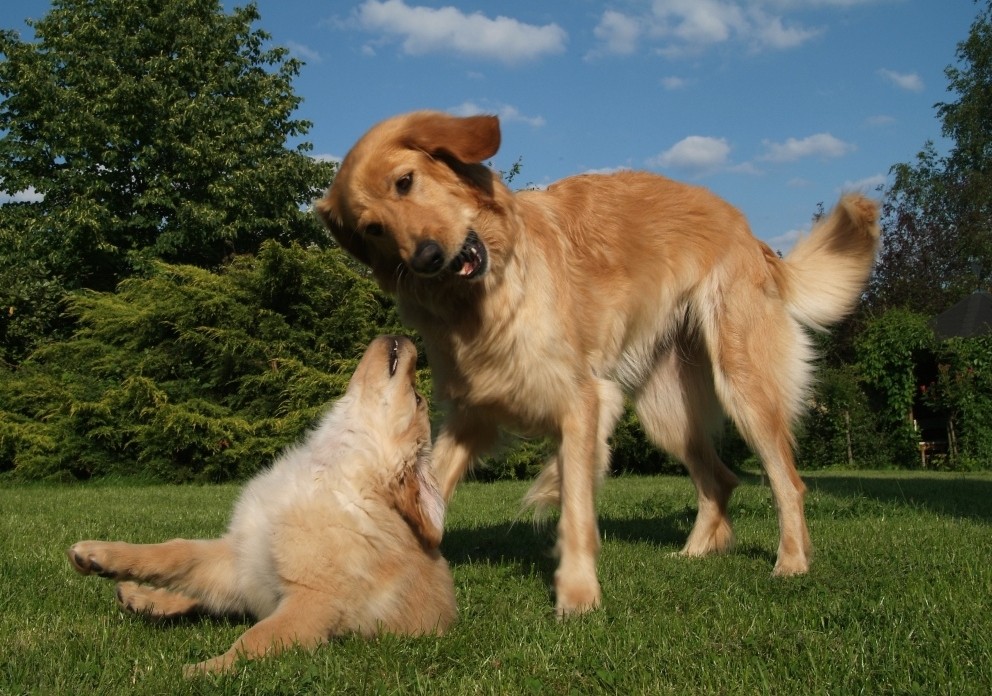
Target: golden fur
340	535
541	310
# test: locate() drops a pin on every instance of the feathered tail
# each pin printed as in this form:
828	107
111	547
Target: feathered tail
825	273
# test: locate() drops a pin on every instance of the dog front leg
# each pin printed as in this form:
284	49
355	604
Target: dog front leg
576	583
461	440
305	618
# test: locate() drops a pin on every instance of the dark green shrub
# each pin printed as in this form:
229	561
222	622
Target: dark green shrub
188	374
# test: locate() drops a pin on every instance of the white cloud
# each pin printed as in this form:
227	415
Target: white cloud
673	82
880	120
908	81
304	52
869	184
821	145
607	170
771	32
448	29
803	4
787	240
689	26
696	153
697	22
619	33
506	113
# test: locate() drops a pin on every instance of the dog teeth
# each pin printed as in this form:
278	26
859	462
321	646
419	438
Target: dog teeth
471	263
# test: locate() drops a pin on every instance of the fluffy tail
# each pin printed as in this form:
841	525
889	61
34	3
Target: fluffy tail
825	272
544	494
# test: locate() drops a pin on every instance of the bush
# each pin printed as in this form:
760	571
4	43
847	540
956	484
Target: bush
840	428
631	453
190	375
964	391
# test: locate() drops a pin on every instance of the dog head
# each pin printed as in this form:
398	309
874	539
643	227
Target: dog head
383	394
411	195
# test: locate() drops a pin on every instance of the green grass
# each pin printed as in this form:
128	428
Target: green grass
899	599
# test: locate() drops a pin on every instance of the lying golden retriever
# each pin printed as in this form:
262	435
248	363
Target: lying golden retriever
540	310
340	535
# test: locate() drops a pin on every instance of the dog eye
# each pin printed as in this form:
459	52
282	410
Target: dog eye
404	184
420	399
374	230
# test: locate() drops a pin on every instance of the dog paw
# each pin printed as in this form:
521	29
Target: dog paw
576	598
196	670
709	538
83	557
135	598
154	602
217	665
790	567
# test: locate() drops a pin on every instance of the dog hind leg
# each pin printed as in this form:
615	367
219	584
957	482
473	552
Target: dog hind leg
155	602
679	412
199	569
761	357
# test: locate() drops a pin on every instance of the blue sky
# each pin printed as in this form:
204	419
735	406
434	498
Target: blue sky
776	105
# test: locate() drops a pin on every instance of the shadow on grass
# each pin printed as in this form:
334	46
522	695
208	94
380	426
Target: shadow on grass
530	549
527	548
964	496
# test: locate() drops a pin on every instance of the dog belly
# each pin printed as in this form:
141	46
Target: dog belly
256	517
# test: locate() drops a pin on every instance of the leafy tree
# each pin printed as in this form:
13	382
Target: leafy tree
938	215
158	129
889	350
190	374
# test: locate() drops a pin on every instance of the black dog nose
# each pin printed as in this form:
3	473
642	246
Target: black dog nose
428	258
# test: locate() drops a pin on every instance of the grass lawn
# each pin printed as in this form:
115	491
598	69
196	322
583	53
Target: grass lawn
899	599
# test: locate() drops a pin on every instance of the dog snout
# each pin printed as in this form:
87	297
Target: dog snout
428	258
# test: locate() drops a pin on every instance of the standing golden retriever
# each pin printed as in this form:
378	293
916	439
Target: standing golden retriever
340	535
539	310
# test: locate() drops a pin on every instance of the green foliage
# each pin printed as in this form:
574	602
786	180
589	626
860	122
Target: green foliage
920	266
151	130
516	459
188	374
938	214
630	453
964	390
840	428
30	295
883	389
888	351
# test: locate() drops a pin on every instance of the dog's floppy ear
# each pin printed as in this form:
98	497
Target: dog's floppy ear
470	139
419	502
350	240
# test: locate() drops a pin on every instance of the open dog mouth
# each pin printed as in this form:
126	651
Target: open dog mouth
394	357
472	260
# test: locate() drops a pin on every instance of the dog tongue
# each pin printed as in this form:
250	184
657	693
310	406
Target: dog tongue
470	264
